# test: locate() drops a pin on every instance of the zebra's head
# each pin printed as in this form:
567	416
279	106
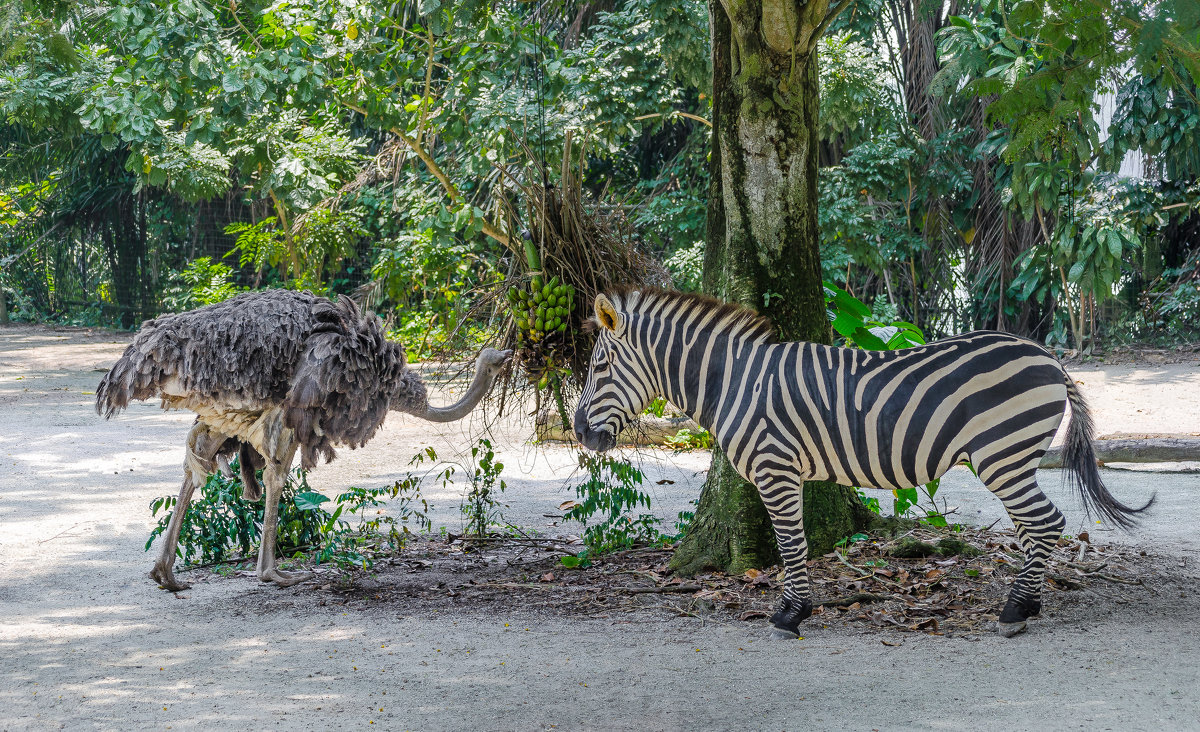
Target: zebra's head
617	389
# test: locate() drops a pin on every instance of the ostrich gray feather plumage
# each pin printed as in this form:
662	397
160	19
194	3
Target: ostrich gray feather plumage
326	364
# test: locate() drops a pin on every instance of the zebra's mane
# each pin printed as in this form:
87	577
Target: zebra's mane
651	300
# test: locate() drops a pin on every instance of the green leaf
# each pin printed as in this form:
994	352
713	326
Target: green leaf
1114	243
309	501
258	88
868	340
846	302
231	82
1076	272
847	324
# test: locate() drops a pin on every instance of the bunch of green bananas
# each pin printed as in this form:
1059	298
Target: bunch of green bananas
542	310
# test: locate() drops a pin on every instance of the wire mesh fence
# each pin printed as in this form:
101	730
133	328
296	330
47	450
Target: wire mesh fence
119	270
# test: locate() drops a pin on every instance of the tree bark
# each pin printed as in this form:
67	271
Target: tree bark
763	248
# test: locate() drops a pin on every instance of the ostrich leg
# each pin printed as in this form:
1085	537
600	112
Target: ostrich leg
202	446
279	454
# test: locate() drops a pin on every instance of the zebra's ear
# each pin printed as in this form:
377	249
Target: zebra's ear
606	312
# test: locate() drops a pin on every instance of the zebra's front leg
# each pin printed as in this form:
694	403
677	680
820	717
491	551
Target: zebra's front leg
785	506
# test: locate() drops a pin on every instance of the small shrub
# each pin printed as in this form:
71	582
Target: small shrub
688	439
220	526
480	506
613	491
202	282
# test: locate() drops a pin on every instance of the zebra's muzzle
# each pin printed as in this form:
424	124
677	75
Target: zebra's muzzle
599	440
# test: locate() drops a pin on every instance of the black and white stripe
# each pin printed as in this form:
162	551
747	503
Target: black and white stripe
785	413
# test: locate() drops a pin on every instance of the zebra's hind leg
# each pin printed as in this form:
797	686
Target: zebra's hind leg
785	505
1039	524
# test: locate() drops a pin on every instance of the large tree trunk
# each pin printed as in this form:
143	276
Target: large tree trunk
763	248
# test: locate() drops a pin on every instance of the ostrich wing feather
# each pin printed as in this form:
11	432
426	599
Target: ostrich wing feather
326	363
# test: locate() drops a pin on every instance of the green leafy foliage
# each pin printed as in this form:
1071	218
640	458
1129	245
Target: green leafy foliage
220	526
686	266
354	141
855	322
1045	62
203	282
856	101
689	439
906	501
613	492
481	505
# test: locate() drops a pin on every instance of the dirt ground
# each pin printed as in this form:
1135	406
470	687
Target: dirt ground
487	641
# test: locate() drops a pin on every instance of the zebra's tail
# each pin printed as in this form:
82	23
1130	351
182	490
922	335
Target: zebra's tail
1079	458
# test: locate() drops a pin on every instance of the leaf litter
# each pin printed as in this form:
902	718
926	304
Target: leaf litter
944	582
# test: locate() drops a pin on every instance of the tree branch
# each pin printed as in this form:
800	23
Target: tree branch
489	228
824	24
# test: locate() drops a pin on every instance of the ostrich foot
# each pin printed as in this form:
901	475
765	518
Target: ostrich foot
165	577
285	579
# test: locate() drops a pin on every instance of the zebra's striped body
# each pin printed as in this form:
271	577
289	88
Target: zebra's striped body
785	413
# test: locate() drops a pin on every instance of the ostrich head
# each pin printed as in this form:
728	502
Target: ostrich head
411	398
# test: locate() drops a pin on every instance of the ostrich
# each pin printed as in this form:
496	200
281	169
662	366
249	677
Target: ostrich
267	374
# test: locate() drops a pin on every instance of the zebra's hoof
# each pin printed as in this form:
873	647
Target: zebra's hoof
1008	630
781	634
788	617
1018	610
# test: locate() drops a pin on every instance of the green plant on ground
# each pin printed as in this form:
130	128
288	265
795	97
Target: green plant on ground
907	500
613	492
871	502
480	506
398	509
689	439
658	407
220	526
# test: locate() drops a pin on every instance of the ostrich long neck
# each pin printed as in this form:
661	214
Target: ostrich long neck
480	386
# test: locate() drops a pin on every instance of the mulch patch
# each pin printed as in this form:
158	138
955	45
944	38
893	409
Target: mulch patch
924	581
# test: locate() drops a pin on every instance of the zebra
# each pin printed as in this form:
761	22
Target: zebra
787	412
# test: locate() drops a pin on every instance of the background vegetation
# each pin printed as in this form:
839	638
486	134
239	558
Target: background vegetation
1024	166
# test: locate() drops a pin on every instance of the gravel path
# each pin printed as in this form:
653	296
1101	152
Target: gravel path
88	641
